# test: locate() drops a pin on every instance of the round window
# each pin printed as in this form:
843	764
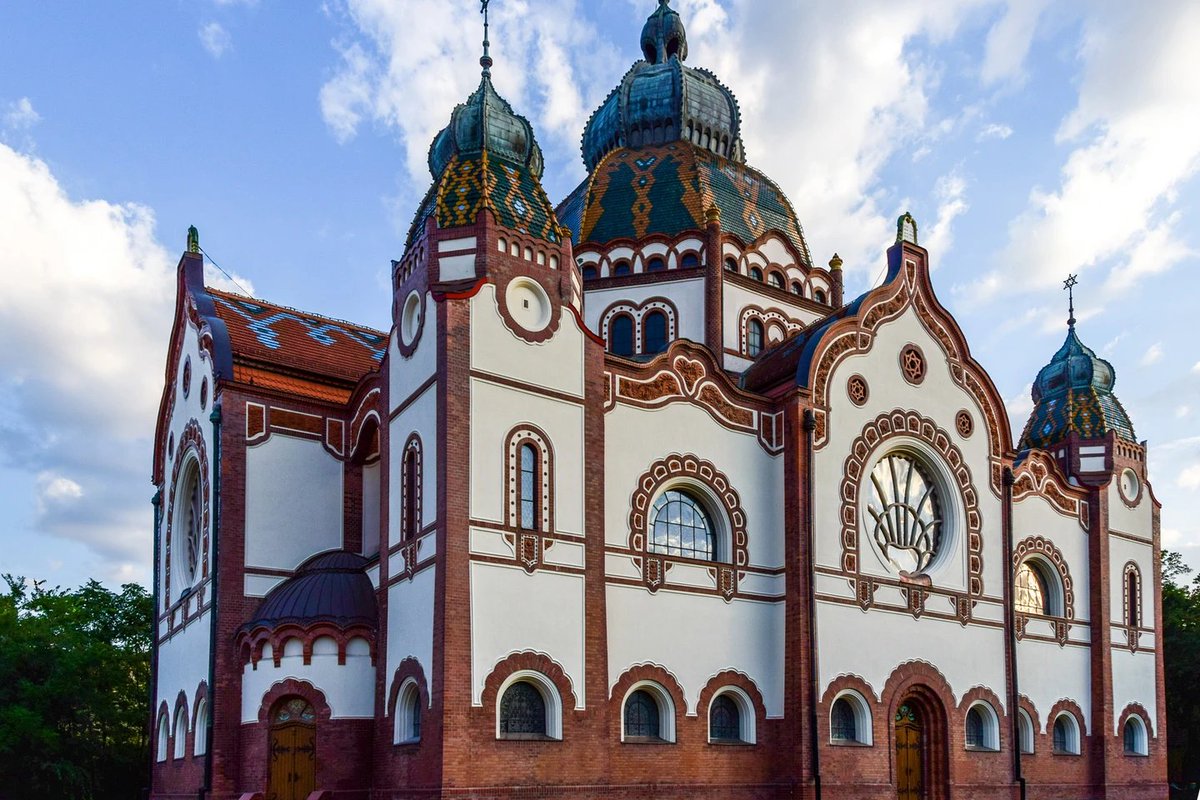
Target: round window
904	512
528	304
1130	485
410	319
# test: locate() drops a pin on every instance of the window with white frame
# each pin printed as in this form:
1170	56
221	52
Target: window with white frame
407	722
850	719
648	714
1066	734
200	729
982	728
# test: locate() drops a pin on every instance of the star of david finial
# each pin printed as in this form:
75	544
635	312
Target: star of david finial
1069	284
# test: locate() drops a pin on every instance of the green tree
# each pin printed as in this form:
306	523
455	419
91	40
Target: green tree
74	672
1181	654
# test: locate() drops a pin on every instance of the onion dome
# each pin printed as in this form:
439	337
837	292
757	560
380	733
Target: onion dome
330	587
660	100
487	157
1074	394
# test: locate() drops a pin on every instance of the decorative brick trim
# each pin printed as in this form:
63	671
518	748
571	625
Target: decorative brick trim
766	316
726	679
964	424
913	366
529	544
921	684
290	687
191	441
858	390
874	437
664	474
638	312
917	673
252	643
843	683
407	349
368	411
1136	710
982	693
1071	707
1033	546
1039	476
636	674
1132	631
529	661
410	667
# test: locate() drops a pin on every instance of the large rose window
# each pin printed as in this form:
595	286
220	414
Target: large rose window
905	514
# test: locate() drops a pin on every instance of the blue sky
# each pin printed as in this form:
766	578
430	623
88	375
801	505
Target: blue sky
1030	138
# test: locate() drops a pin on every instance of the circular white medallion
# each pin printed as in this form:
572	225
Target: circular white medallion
528	304
410	318
1130	485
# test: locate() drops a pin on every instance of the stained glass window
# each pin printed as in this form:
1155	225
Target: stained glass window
904	507
193	521
724	720
529	492
522	711
1030	595
294	709
680	527
843	727
641	716
654	329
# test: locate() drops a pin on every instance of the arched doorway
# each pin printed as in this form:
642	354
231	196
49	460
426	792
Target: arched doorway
292	743
919	739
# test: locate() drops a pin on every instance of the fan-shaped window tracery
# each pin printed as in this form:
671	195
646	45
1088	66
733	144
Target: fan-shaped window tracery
904	512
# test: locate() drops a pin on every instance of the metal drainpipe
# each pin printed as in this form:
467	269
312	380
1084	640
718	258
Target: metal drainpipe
1014	699
155	501
810	426
210	701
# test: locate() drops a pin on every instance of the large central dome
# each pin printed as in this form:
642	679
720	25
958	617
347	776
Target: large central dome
660	100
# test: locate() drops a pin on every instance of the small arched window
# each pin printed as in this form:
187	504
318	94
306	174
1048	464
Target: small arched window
1134	737
200	729
621	268
1066	739
975	729
522	712
731	264
843	726
654	333
820	296
775	280
724	720
1025	731
164	738
642	716
408	714
755	337
680	526
180	736
656	264
689	261
589	273
527	488
1031	593
620	335
797	287
756	274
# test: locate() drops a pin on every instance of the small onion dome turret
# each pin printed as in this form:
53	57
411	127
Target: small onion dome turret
486	122
331	587
660	100
1074	394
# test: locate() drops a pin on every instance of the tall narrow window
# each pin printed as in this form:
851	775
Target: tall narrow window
654	332
529	494
410	493
620	336
754	338
164	738
1133	590
975	736
200	729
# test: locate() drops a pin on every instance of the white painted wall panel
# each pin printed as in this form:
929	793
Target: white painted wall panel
688	297
349	688
513	611
695	637
183	663
410	624
370	509
1133	681
1138	520
1035	516
405	375
556	364
294	502
420	417
1049	673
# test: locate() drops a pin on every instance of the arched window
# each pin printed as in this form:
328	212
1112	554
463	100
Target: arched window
680	527
842	724
975	729
410	477
756	273
797	287
620	335
820	297
656	264
689	261
724	720
1025	731
1134	737
522	712
408	714
200	729
164	738
775	280
1133	596
642	716
755	336
731	264
180	735
621	268
1031	593
1066	734
654	332
528	496
589	273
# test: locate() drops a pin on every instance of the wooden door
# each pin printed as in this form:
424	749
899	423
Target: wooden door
910	783
292	767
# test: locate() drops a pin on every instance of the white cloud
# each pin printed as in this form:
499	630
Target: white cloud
1196	368
1135	134
1153	355
215	38
994	131
1009	40
1190	478
86	297
20	115
1182	411
951	194
1019	407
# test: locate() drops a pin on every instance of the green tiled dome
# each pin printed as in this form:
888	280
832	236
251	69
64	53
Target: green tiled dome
1073	394
486	122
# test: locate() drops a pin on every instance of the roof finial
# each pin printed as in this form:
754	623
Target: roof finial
193	240
485	60
1069	284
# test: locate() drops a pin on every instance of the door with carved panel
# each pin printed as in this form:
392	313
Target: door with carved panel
292	766
910	755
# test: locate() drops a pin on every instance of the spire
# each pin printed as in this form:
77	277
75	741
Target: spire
1069	284
485	60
